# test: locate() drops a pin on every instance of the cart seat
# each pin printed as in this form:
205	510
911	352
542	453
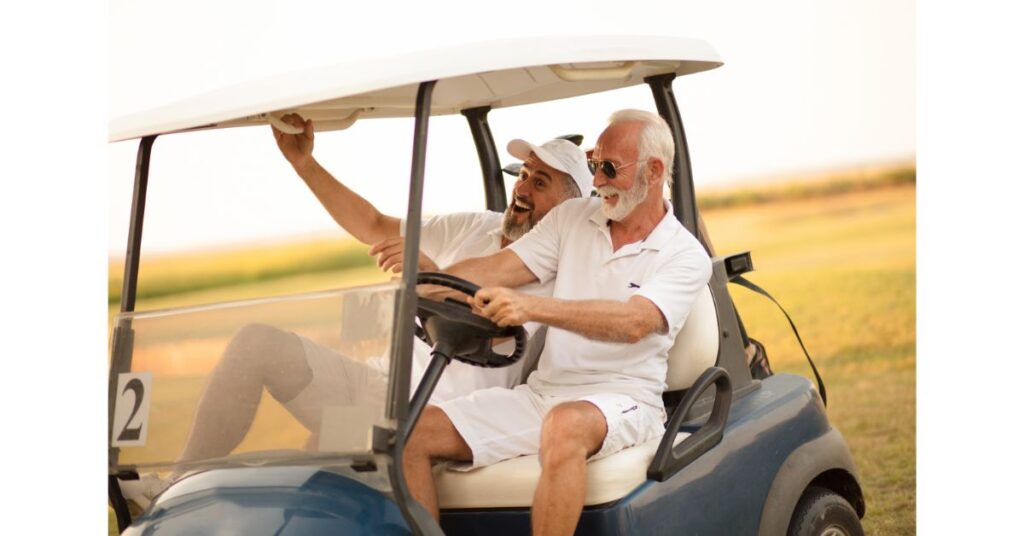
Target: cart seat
511	483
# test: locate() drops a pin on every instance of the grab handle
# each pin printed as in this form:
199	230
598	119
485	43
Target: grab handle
671	458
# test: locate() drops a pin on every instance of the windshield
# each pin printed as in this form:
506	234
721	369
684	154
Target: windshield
296	379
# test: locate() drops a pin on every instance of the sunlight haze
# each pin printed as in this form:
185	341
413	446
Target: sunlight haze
806	86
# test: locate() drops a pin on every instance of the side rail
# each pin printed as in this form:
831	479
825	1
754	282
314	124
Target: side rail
669	458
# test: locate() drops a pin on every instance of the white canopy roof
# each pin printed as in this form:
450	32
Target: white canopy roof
498	73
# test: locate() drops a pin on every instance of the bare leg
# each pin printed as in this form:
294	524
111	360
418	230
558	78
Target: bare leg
257	356
435	437
571	433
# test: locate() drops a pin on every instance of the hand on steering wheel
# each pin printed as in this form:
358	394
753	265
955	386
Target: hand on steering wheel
452	328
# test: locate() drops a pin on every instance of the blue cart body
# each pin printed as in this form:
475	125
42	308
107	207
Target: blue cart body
722	492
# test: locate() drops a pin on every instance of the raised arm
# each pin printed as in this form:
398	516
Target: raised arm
353	213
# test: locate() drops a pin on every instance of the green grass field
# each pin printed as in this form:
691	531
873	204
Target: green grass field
843	264
844	268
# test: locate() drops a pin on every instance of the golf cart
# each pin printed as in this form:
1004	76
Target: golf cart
740	455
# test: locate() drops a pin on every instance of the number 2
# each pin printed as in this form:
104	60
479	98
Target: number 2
132	434
131	416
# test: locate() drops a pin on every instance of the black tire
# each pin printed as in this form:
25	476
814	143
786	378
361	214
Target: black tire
823	512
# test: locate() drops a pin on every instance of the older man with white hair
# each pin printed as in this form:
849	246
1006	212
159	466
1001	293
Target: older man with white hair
625	274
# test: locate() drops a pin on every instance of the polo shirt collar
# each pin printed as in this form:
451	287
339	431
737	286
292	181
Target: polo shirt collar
664	231
661	233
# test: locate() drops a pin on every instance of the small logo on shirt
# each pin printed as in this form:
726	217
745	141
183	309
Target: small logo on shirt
634	285
625	411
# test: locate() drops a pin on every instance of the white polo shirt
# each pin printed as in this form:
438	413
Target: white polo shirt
572	246
448	239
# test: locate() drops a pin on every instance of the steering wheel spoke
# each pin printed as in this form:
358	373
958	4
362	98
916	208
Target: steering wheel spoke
452	328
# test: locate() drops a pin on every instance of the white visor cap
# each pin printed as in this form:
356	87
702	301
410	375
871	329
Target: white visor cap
560	154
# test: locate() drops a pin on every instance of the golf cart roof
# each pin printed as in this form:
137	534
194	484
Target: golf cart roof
499	73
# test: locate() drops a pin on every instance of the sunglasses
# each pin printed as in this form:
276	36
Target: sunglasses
606	167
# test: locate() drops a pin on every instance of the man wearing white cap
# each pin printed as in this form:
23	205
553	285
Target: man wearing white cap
305	376
625	274
551	173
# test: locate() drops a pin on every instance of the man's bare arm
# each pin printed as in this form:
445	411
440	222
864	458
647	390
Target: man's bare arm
503	268
353	213
601	320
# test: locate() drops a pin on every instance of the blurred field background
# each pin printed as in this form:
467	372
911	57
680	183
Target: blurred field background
837	250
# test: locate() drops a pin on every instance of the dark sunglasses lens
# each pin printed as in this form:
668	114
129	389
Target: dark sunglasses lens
605	166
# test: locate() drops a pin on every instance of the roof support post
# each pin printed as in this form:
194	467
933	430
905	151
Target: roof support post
397	407
131	258
684	201
121	339
494	184
405	313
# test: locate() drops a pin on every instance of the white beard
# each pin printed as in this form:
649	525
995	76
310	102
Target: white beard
628	199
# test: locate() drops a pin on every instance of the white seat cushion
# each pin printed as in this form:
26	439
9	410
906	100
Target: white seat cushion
511	483
696	346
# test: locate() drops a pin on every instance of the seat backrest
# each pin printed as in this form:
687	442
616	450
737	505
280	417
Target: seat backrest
696	346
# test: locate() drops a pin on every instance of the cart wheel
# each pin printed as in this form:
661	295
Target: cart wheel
822	512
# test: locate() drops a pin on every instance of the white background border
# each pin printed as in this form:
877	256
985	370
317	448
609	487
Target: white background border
53	214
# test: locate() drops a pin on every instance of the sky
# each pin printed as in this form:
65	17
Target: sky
806	86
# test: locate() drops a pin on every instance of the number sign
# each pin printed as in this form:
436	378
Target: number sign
131	409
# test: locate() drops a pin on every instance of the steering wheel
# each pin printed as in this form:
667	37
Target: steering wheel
452	328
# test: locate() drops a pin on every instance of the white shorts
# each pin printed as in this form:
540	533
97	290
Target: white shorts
337	381
499	424
341	381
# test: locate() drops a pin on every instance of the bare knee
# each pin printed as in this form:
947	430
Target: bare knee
256	336
435	437
424	437
570	435
272	354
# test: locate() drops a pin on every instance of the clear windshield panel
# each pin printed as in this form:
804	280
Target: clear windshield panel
296	379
